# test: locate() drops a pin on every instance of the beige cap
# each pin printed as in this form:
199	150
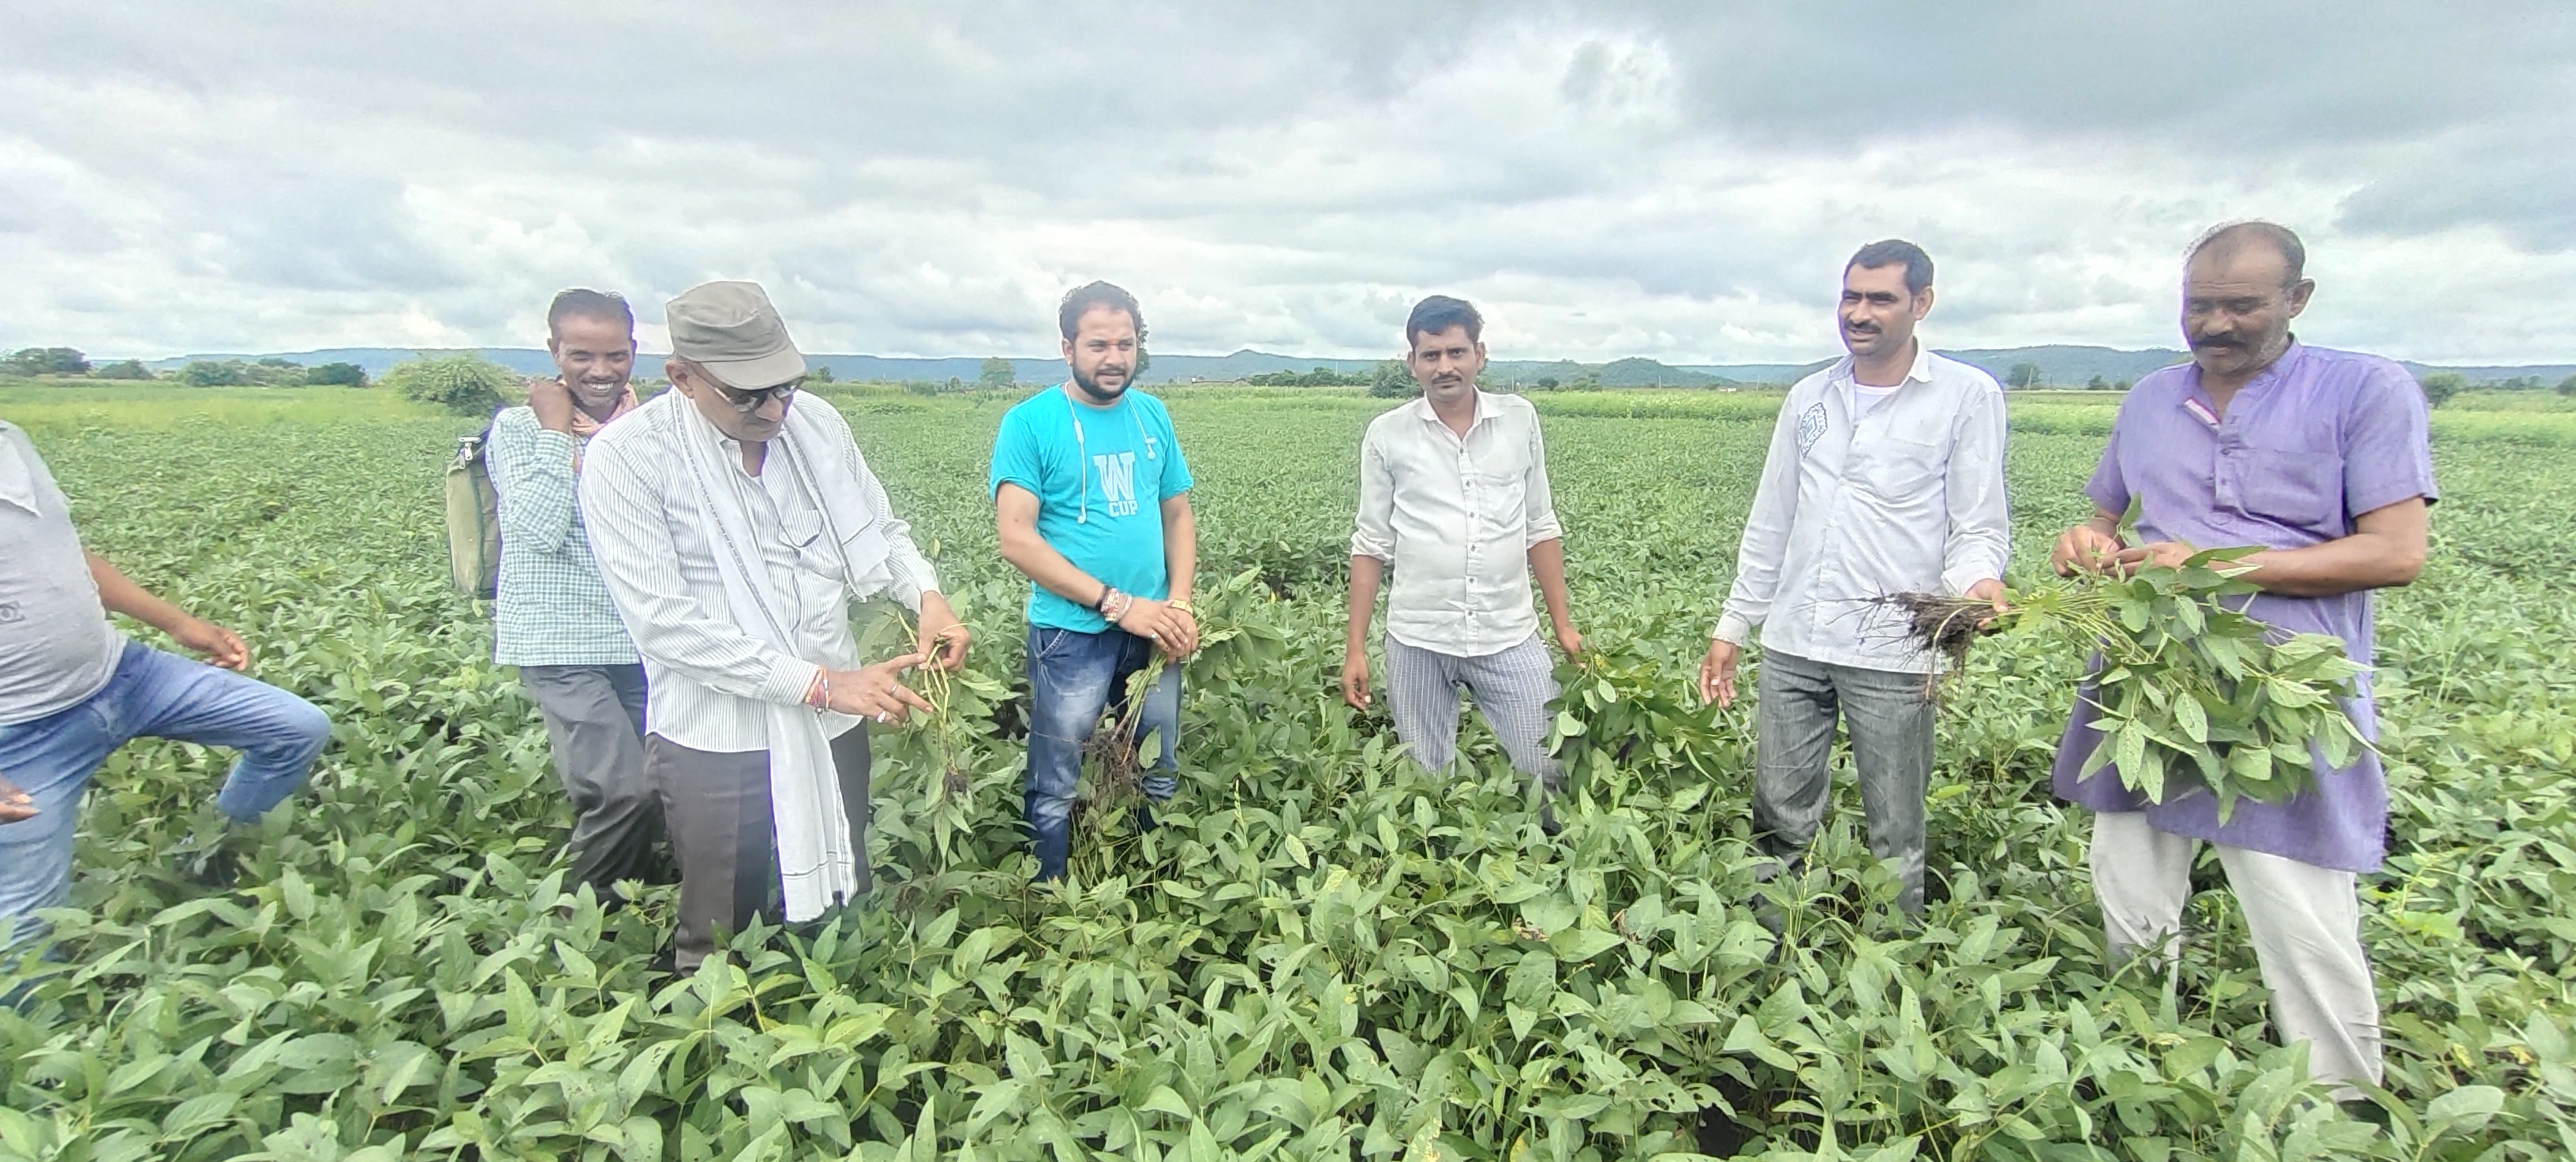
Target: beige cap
731	330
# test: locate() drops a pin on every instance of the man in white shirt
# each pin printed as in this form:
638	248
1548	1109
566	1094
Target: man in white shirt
1885	475
1454	497
732	529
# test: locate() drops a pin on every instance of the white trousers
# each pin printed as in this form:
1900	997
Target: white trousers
2305	920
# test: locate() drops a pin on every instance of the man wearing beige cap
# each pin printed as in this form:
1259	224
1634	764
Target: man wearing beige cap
732	528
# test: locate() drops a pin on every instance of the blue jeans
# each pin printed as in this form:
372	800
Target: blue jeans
154	694
1074	678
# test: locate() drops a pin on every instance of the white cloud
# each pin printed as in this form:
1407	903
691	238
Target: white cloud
1678	181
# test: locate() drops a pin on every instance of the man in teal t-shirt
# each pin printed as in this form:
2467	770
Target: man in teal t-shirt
1091	495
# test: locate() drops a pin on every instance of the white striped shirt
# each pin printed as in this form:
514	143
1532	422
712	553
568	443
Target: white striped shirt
1455	517
710	681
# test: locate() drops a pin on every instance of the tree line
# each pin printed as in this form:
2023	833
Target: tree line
467	381
2440	386
71	363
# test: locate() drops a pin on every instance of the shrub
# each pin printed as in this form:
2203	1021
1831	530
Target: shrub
211	373
45	361
336	375
464	383
1392	380
2440	386
121	369
1319	377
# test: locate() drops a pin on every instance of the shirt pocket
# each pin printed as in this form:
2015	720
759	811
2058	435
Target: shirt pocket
1499	500
1903	469
799	523
866	554
2295	487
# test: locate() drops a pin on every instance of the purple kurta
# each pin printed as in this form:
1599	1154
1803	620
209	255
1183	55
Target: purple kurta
2317	438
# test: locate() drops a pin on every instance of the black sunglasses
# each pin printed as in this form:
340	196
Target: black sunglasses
748	402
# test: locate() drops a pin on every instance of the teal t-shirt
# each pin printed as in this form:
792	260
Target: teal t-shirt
1101	476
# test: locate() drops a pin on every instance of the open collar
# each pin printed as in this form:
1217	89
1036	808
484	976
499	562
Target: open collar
1919	372
2196	399
1421	406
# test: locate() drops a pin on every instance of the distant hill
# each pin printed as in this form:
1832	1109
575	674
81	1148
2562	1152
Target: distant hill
2068	366
856	368
900	369
2059	366
1771	373
2549	373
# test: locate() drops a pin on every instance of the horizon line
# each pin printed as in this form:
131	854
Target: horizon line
1241	351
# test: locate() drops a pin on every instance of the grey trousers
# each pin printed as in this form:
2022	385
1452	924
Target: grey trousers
1889	716
595	722
725	833
2305	921
1511	689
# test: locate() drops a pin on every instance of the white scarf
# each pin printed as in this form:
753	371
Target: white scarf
818	858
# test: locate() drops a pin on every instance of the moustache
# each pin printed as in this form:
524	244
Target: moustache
1861	328
2224	343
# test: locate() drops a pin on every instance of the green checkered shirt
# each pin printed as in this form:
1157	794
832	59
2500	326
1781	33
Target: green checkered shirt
552	609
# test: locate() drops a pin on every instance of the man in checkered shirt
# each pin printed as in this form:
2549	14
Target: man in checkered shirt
552	617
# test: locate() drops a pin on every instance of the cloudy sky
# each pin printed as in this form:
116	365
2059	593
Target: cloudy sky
1676	180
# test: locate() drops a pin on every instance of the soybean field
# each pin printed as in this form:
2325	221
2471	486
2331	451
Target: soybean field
1324	952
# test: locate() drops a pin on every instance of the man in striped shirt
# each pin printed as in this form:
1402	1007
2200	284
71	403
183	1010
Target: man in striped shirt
733	523
1454	499
551	617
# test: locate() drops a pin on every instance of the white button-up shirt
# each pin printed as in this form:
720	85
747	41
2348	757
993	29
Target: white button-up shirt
1455	518
1907	497
710	683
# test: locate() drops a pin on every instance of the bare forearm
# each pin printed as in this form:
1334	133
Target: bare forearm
120	594
2386	547
1180	549
1366	573
2346	565
1547	564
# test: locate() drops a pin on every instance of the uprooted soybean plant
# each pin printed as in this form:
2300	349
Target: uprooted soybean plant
1321	953
2193	694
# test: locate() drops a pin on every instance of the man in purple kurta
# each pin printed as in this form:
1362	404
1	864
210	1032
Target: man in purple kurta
2319	459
